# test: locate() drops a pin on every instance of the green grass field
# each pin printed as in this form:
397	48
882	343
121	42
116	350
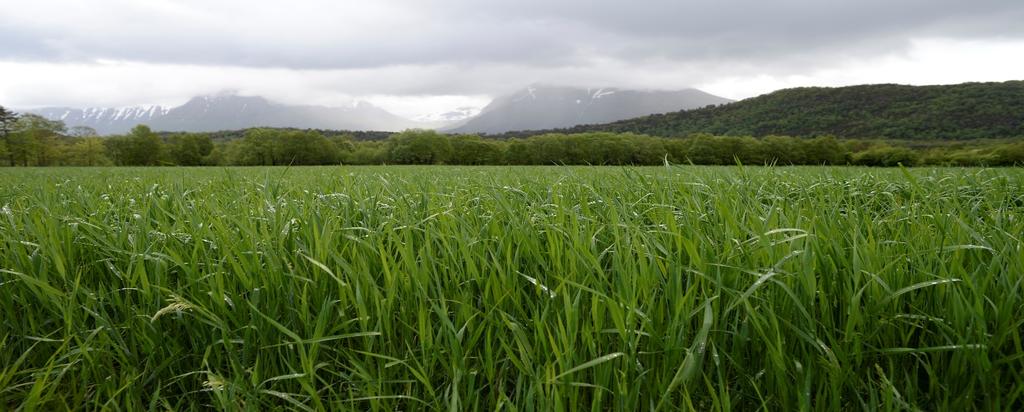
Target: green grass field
503	288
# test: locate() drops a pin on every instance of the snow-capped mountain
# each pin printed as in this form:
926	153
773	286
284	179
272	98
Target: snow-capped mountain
229	112
104	120
451	116
550	107
211	113
535	107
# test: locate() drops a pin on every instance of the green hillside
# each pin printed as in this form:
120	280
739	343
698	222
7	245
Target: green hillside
964	111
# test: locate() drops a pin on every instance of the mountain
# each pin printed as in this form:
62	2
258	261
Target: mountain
457	115
545	107
229	112
212	113
104	120
963	111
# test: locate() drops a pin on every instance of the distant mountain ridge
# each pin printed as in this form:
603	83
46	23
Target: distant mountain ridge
229	112
545	107
962	111
104	120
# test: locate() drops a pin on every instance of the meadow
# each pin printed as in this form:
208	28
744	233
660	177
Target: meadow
511	288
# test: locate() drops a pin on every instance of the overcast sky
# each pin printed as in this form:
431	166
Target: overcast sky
420	57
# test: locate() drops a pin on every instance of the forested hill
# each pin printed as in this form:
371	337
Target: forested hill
964	111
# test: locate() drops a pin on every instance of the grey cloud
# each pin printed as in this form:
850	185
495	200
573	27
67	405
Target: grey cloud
753	30
527	32
289	44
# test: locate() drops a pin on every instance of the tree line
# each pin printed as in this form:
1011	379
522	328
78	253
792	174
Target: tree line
606	148
31	140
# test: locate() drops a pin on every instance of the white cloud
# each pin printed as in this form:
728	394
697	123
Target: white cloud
414	107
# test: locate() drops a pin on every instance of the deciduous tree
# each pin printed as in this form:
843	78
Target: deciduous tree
7	121
34	140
